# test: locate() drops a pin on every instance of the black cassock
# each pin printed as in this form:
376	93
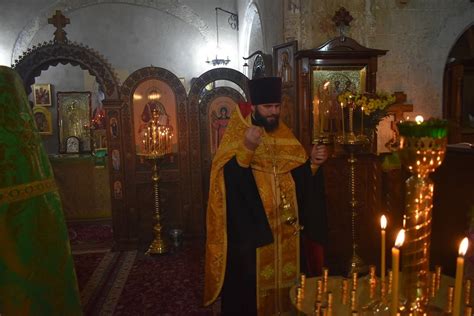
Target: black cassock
248	229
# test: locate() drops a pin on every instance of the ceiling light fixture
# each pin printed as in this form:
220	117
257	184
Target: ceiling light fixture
234	24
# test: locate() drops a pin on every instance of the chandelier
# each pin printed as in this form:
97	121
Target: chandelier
234	24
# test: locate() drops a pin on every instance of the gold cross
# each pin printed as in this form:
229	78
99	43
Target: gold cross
59	21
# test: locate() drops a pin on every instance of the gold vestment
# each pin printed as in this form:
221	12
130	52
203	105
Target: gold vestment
277	263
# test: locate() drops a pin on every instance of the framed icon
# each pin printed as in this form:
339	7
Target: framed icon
73	145
43	120
74	118
42	94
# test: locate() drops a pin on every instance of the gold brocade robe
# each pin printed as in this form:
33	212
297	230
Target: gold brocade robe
277	263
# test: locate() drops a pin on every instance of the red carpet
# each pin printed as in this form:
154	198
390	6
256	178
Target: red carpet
170	284
85	265
90	236
131	283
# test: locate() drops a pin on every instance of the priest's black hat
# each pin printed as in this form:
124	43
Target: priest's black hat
265	90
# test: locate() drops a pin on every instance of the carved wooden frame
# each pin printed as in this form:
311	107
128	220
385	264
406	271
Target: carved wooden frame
194	100
340	51
180	175
51	53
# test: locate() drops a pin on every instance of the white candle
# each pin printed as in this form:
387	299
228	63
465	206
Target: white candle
351	115
342	116
324	105
383	225
361	120
459	277
395	271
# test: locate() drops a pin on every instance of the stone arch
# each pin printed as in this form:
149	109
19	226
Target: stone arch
176	9
194	98
454	27
51	53
251	13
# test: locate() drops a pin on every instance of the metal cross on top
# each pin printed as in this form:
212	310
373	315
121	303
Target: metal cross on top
342	18
59	21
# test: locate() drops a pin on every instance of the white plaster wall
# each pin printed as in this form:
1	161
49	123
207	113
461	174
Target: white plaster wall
176	35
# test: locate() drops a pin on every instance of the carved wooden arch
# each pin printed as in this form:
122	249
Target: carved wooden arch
47	54
194	99
137	176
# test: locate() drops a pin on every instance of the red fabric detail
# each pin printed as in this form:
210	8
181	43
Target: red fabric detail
245	108
314	257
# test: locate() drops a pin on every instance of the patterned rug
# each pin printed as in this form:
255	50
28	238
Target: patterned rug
101	287
90	236
131	283
170	284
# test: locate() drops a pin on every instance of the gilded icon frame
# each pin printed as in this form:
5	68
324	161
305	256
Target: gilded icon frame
43	121
74	118
42	94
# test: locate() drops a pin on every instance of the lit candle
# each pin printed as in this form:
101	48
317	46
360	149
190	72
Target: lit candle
351	115
383	225
315	115
395	271
361	120
324	105
342	116
419	119
459	277
321	121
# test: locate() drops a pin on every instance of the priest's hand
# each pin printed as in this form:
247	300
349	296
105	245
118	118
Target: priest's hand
253	137
319	154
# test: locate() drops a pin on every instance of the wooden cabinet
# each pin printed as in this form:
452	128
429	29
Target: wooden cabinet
341	65
342	62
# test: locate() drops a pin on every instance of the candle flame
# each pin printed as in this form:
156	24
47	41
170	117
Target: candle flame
463	246
400	238
383	222
342	105
419	119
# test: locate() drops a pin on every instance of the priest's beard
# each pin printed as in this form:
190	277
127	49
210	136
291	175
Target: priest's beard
260	120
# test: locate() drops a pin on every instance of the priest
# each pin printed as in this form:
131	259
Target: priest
266	199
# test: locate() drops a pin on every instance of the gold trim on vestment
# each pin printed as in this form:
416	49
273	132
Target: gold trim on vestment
277	263
26	190
287	155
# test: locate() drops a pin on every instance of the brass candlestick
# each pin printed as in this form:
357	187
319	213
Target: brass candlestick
158	245
422	150
157	144
353	145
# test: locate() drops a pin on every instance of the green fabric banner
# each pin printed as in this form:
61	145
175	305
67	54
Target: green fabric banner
36	269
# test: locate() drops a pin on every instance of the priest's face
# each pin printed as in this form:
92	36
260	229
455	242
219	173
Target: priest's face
267	115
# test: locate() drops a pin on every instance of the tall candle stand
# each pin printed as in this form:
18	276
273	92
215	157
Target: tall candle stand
422	150
157	144
353	145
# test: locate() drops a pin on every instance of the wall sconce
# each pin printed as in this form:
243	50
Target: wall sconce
234	24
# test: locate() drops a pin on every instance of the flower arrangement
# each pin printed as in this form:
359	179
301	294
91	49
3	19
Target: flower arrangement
374	106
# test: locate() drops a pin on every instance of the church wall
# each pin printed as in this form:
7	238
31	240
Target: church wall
271	26
129	34
418	35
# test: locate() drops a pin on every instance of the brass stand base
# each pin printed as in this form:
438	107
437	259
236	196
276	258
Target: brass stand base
157	247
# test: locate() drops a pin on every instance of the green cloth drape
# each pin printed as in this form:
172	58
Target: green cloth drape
36	269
